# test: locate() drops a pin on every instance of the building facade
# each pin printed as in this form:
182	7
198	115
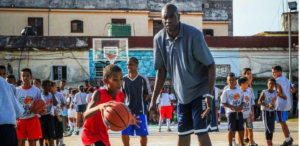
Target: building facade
94	17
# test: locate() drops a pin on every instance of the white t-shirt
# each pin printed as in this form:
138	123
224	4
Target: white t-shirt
233	97
281	104
49	104
80	98
88	97
172	96
71	102
249	102
164	99
102	87
270	98
61	100
25	97
217	92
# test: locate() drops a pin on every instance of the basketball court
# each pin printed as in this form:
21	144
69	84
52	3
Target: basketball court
165	138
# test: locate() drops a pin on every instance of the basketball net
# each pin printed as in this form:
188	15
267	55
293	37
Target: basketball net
111	58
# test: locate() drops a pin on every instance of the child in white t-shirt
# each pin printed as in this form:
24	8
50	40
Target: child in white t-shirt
164	101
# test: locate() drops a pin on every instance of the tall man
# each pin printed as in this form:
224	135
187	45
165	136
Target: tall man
180	50
136	88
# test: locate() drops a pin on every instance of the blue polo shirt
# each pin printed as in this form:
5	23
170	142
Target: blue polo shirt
186	59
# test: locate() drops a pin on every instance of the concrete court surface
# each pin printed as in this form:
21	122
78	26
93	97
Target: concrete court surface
165	138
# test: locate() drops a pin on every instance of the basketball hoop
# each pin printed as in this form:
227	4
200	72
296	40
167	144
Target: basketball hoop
111	58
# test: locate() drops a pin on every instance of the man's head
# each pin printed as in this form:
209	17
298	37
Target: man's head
86	82
113	78
132	64
271	83
53	86
26	75
11	79
62	83
231	79
276	71
46	85
73	92
2	71
36	83
243	82
80	88
170	18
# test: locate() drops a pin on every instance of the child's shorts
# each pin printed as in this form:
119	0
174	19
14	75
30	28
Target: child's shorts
282	116
248	122
65	113
222	110
80	108
235	121
29	128
71	113
47	125
58	126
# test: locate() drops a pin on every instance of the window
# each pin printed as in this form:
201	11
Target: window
118	21
222	70
76	26
37	24
208	32
99	71
157	26
59	72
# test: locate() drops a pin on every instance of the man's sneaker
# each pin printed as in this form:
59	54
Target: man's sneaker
289	143
159	129
169	130
77	133
246	141
234	143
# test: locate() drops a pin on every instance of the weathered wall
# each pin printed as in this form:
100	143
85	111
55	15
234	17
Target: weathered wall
219	29
152	5
294	21
219	10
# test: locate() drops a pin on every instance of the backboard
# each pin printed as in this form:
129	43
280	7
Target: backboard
110	49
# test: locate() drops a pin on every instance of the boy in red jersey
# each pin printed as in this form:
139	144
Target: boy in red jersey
94	131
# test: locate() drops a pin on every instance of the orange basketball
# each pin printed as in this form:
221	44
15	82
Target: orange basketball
37	105
117	117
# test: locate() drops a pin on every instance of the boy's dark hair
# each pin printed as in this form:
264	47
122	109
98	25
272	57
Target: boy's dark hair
80	88
242	80
63	80
2	67
245	70
108	70
231	74
86	81
45	82
53	83
74	91
91	89
272	80
277	68
37	80
26	70
135	60
11	76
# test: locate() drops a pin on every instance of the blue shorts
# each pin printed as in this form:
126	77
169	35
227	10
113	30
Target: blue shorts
65	113
268	118
189	117
282	116
80	108
222	110
142	131
235	121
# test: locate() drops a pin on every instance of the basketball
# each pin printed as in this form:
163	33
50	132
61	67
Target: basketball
37	105
117	116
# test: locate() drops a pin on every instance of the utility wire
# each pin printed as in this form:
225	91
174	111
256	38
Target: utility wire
275	15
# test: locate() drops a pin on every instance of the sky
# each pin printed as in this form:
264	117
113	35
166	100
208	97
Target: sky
254	16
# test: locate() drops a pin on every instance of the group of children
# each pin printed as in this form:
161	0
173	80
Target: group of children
238	100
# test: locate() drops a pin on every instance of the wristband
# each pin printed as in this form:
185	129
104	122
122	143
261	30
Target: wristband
208	95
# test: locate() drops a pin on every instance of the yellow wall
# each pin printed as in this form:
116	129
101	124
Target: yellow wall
220	29
150	27
93	22
193	20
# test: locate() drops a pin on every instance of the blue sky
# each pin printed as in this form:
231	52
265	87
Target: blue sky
254	16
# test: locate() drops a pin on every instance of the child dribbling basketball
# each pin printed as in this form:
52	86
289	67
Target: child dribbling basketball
94	131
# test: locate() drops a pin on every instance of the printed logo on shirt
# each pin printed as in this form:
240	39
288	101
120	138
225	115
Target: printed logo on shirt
64	95
26	100
246	98
273	99
235	99
246	105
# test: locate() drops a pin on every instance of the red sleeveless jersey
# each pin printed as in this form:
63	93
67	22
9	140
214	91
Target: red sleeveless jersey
94	129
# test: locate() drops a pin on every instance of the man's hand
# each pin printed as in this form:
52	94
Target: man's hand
59	118
252	117
134	121
42	112
208	102
250	78
153	111
271	106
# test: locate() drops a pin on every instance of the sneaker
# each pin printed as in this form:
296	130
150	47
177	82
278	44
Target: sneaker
159	129
63	145
234	143
246	141
230	144
289	143
169	130
77	133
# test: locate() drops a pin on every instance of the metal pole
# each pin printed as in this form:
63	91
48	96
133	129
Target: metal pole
290	52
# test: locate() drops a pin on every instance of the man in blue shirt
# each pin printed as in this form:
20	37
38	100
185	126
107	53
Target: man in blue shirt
181	50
